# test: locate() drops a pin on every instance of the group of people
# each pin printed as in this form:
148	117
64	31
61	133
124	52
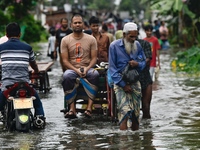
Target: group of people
161	32
79	52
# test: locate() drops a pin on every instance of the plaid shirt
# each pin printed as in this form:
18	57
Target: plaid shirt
145	78
146	47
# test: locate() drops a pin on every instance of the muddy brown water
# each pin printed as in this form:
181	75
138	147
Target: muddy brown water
175	122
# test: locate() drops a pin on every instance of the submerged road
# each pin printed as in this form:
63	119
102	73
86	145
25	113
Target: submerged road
175	123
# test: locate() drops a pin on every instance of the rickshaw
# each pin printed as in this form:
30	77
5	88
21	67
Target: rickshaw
104	102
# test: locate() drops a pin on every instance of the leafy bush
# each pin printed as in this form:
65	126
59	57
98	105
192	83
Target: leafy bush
31	30
4	20
187	61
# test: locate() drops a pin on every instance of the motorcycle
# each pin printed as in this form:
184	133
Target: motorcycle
17	114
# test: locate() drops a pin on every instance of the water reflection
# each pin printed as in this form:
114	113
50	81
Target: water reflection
105	135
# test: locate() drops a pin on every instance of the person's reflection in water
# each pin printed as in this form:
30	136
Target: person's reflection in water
136	140
147	136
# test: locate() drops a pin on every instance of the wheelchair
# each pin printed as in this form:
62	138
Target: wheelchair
104	103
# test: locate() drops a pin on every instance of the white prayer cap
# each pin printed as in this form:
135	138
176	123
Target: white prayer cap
130	26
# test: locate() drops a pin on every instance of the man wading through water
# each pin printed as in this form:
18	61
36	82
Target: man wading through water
128	95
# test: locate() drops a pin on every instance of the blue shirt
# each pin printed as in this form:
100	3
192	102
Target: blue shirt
118	59
15	58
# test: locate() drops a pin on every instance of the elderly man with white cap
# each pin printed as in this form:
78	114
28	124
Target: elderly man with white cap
128	95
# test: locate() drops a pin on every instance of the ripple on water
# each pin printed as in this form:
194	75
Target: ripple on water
174	124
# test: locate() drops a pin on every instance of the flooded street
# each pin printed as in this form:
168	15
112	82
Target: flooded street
175	123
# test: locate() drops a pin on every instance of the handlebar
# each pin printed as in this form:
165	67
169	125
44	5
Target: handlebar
103	65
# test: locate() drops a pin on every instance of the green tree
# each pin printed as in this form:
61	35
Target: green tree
184	19
4	19
58	3
20	11
101	5
90	4
17	8
131	6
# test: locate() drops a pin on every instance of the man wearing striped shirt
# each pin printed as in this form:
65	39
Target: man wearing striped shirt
16	56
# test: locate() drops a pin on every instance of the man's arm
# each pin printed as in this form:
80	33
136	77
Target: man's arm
158	53
34	65
140	61
158	58
66	63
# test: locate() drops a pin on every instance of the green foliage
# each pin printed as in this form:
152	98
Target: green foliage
91	4
188	61
101	5
33	30
4	20
131	5
19	11
20	6
58	3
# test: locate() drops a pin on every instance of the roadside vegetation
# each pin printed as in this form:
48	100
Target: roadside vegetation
20	11
187	61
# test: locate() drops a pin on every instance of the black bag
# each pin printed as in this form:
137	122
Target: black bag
130	75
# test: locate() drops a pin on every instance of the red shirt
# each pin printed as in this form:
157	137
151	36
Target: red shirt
155	46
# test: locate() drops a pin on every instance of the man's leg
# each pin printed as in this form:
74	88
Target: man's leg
69	80
135	125
151	71
38	105
89	108
2	100
93	78
72	109
157	71
123	125
146	101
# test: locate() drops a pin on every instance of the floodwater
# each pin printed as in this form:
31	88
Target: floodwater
175	123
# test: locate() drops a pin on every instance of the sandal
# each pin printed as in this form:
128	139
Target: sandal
88	113
70	115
